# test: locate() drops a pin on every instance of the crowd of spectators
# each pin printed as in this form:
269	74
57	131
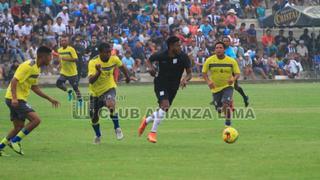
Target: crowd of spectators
139	28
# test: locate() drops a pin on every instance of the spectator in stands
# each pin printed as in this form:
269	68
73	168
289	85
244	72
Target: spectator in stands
18	30
277	6
292	68
134	8
138	53
273	66
199	61
251	34
280	38
248	71
130	64
15	48
58	28
249	9
64	15
81	63
267	38
258	66
144	19
3	5
302	50
195	10
173	6
206	28
292	47
306	39
232	19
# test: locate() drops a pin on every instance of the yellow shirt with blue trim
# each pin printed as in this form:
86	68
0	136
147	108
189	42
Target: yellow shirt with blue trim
220	71
27	75
68	68
106	80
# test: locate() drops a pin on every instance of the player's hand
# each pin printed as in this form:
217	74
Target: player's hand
183	83
98	67
128	80
231	80
14	103
54	103
152	72
211	85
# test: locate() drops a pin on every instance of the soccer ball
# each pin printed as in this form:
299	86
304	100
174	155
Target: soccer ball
230	135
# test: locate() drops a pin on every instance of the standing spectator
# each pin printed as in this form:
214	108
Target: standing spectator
199	61
291	37
200	38
252	36
64	15
306	39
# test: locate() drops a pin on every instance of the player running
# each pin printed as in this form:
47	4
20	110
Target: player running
172	63
68	72
102	88
25	78
224	71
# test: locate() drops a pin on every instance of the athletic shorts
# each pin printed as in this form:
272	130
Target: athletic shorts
19	113
96	103
225	95
73	80
165	92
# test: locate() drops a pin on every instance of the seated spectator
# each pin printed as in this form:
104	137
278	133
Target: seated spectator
273	66
15	48
302	50
199	61
232	19
258	67
131	65
292	68
248	71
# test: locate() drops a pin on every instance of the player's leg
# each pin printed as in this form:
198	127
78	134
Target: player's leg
226	100
95	106
17	126
75	85
110	101
61	84
34	121
241	92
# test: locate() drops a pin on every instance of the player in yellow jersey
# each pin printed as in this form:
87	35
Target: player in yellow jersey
102	88
25	78
68	71
224	71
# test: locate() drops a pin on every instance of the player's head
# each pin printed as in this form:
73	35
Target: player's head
44	55
104	51
219	48
226	41
174	45
64	41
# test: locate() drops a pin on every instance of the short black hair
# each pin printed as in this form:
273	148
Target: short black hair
43	50
171	40
220	42
104	46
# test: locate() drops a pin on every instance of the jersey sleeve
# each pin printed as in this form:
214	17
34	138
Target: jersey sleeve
74	53
235	67
91	68
117	61
23	72
205	66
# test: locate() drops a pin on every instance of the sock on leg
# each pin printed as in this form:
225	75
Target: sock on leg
24	132
115	120
96	128
3	143
157	119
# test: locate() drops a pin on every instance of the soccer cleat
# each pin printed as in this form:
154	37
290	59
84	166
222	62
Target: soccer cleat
16	147
69	95
142	126
97	140
119	133
2	153
152	137
246	101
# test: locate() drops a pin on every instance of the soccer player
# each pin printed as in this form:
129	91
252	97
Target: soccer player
224	71
25	78
102	88
229	51
68	72
172	63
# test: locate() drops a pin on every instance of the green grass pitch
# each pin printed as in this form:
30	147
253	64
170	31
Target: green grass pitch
282	143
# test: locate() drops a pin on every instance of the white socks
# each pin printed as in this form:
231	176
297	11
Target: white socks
158	116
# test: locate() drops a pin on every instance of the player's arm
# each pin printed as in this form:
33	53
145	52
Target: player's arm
14	101
209	82
187	78
150	66
124	69
93	78
72	58
37	90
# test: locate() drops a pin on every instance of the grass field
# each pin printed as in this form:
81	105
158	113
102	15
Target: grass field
282	143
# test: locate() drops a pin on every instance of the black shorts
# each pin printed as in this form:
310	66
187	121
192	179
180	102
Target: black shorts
165	91
19	113
225	95
96	103
73	80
